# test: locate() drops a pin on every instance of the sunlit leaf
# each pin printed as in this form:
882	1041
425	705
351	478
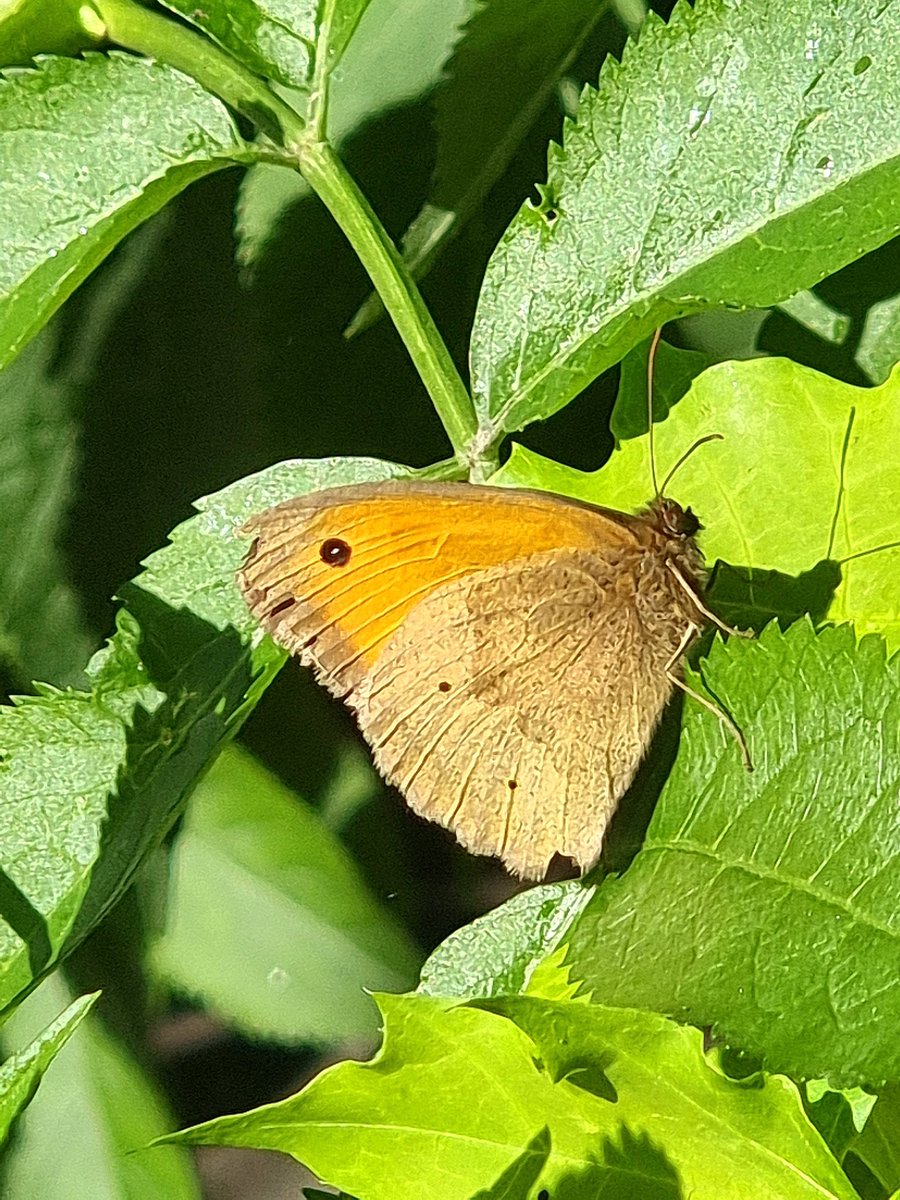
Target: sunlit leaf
601	1102
89	148
693	178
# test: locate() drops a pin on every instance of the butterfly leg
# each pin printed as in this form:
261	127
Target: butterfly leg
708	613
716	709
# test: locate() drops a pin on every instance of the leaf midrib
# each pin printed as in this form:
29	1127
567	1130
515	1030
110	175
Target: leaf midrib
770	875
635	299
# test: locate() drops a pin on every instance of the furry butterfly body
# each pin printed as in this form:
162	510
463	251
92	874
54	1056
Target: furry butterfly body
508	653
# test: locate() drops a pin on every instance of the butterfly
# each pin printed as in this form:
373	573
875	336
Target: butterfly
507	653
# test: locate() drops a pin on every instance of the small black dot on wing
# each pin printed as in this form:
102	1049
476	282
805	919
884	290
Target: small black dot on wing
282	606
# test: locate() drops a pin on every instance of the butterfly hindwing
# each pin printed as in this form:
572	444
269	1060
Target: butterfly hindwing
514	706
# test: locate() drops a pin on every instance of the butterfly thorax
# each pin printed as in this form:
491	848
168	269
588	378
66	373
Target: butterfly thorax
672	564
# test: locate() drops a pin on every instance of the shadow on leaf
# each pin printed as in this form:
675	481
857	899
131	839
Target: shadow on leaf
750	599
204	674
28	922
591	1076
523	1173
746	599
561	1061
633	1166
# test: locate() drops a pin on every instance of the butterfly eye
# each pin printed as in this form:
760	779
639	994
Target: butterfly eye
689	523
335	552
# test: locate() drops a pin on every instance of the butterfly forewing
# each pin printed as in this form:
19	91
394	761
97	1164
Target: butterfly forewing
402	541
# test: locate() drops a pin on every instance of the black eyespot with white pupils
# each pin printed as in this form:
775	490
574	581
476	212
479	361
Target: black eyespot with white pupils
335	552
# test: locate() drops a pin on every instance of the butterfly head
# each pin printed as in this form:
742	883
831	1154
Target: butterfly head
673	521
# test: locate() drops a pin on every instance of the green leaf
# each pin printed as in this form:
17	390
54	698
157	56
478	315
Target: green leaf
702	925
838	1115
813	313
196	571
674	371
761	132
632	13
725	333
267	193
352	784
42	629
607	1102
30	27
274	38
336	24
784	429
832	1117
498	953
526	1171
878	1145
268	921
93	1111
502	73
91	781
593	1048
89	148
747	598
879	342
22	1071
766	904
59	757
397	55
279	39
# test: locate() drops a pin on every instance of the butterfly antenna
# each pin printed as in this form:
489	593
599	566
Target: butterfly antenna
709	437
865	553
651	360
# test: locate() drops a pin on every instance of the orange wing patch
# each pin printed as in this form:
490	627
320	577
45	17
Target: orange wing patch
334	574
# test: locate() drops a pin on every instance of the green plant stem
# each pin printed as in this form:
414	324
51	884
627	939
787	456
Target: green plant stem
402	299
149	33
